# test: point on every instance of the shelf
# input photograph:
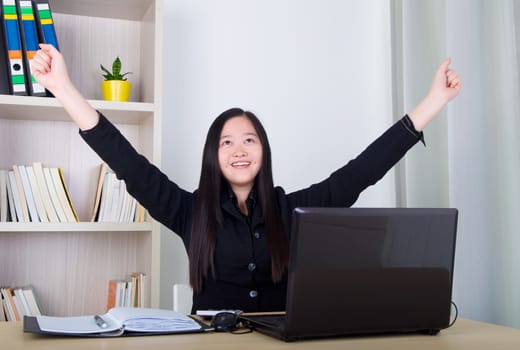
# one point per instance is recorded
(132, 9)
(48, 108)
(75, 226)
(69, 264)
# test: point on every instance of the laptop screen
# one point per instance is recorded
(365, 270)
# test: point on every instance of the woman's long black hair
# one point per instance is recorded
(207, 214)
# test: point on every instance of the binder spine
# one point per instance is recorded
(29, 38)
(5, 77)
(46, 31)
(14, 47)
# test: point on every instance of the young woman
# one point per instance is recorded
(235, 226)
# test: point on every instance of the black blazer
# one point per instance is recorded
(242, 260)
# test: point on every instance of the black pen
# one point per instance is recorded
(100, 321)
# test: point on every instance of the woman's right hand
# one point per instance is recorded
(49, 69)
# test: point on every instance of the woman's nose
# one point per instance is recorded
(239, 152)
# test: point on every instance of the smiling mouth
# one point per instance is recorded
(240, 164)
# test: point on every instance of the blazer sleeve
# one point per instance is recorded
(342, 187)
(164, 200)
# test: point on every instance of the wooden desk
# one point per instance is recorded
(465, 334)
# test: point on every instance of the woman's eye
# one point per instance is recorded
(250, 140)
(226, 143)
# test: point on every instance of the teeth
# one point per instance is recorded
(240, 163)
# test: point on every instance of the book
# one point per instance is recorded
(28, 193)
(37, 194)
(12, 313)
(18, 197)
(34, 308)
(10, 198)
(67, 195)
(132, 292)
(3, 196)
(112, 299)
(54, 195)
(112, 202)
(44, 192)
(103, 168)
(63, 194)
(118, 321)
(20, 302)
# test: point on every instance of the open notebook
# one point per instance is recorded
(365, 271)
(116, 322)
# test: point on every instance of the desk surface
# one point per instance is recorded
(465, 334)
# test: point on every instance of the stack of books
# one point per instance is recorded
(113, 203)
(15, 303)
(35, 194)
(131, 292)
(25, 24)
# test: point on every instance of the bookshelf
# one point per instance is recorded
(69, 264)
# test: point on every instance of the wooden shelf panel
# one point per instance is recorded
(75, 226)
(49, 109)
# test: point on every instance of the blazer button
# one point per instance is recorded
(256, 235)
(251, 267)
(253, 294)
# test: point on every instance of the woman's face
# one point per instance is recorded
(239, 153)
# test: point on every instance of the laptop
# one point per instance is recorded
(356, 271)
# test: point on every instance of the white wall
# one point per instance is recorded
(317, 73)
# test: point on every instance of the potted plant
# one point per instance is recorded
(115, 87)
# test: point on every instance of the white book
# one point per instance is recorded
(123, 200)
(103, 201)
(3, 196)
(19, 308)
(144, 290)
(133, 210)
(31, 302)
(16, 196)
(22, 303)
(17, 180)
(107, 197)
(128, 294)
(120, 295)
(44, 191)
(101, 180)
(114, 207)
(12, 210)
(29, 198)
(61, 190)
(54, 195)
(128, 210)
(38, 199)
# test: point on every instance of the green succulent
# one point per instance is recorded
(116, 71)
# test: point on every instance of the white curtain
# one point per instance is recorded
(472, 158)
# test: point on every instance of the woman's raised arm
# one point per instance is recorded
(445, 86)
